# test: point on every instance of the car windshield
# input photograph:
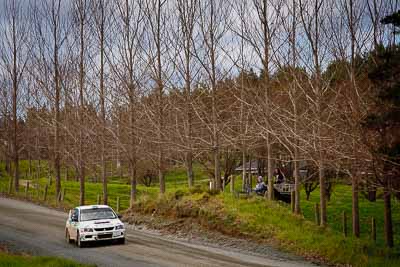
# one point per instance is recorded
(97, 214)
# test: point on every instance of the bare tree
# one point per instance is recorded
(241, 9)
(81, 9)
(352, 32)
(376, 11)
(293, 93)
(187, 15)
(290, 78)
(156, 14)
(313, 20)
(15, 47)
(213, 23)
(100, 15)
(129, 20)
(259, 32)
(295, 97)
(51, 30)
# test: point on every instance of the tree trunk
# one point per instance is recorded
(133, 159)
(133, 186)
(57, 164)
(270, 172)
(189, 168)
(160, 87)
(102, 104)
(104, 175)
(39, 169)
(14, 111)
(297, 208)
(82, 20)
(322, 187)
(81, 186)
(388, 227)
(30, 163)
(186, 14)
(244, 170)
(250, 174)
(161, 177)
(355, 208)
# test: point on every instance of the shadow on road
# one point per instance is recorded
(103, 243)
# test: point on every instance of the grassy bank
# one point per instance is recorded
(265, 221)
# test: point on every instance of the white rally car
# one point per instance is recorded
(93, 223)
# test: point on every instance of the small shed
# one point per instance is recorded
(255, 166)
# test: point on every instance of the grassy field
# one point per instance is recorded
(255, 216)
(10, 260)
(262, 221)
(341, 201)
(118, 187)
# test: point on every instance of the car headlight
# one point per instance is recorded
(86, 229)
(119, 227)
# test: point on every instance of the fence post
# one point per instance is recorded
(117, 204)
(373, 229)
(344, 220)
(316, 209)
(232, 184)
(63, 194)
(59, 196)
(10, 185)
(98, 199)
(37, 191)
(292, 200)
(45, 192)
(27, 189)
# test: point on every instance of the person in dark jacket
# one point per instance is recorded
(280, 178)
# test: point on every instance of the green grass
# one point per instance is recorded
(9, 260)
(341, 201)
(294, 233)
(263, 220)
(297, 233)
(260, 218)
(176, 180)
(117, 187)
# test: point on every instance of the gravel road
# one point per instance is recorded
(26, 227)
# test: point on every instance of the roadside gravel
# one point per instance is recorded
(190, 232)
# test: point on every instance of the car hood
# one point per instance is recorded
(100, 223)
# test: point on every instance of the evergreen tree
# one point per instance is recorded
(382, 124)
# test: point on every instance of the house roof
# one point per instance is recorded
(253, 164)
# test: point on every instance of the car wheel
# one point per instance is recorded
(67, 237)
(79, 243)
(121, 241)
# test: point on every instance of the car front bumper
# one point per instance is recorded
(106, 235)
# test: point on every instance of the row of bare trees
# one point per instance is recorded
(85, 83)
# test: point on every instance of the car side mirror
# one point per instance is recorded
(74, 218)
(119, 216)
